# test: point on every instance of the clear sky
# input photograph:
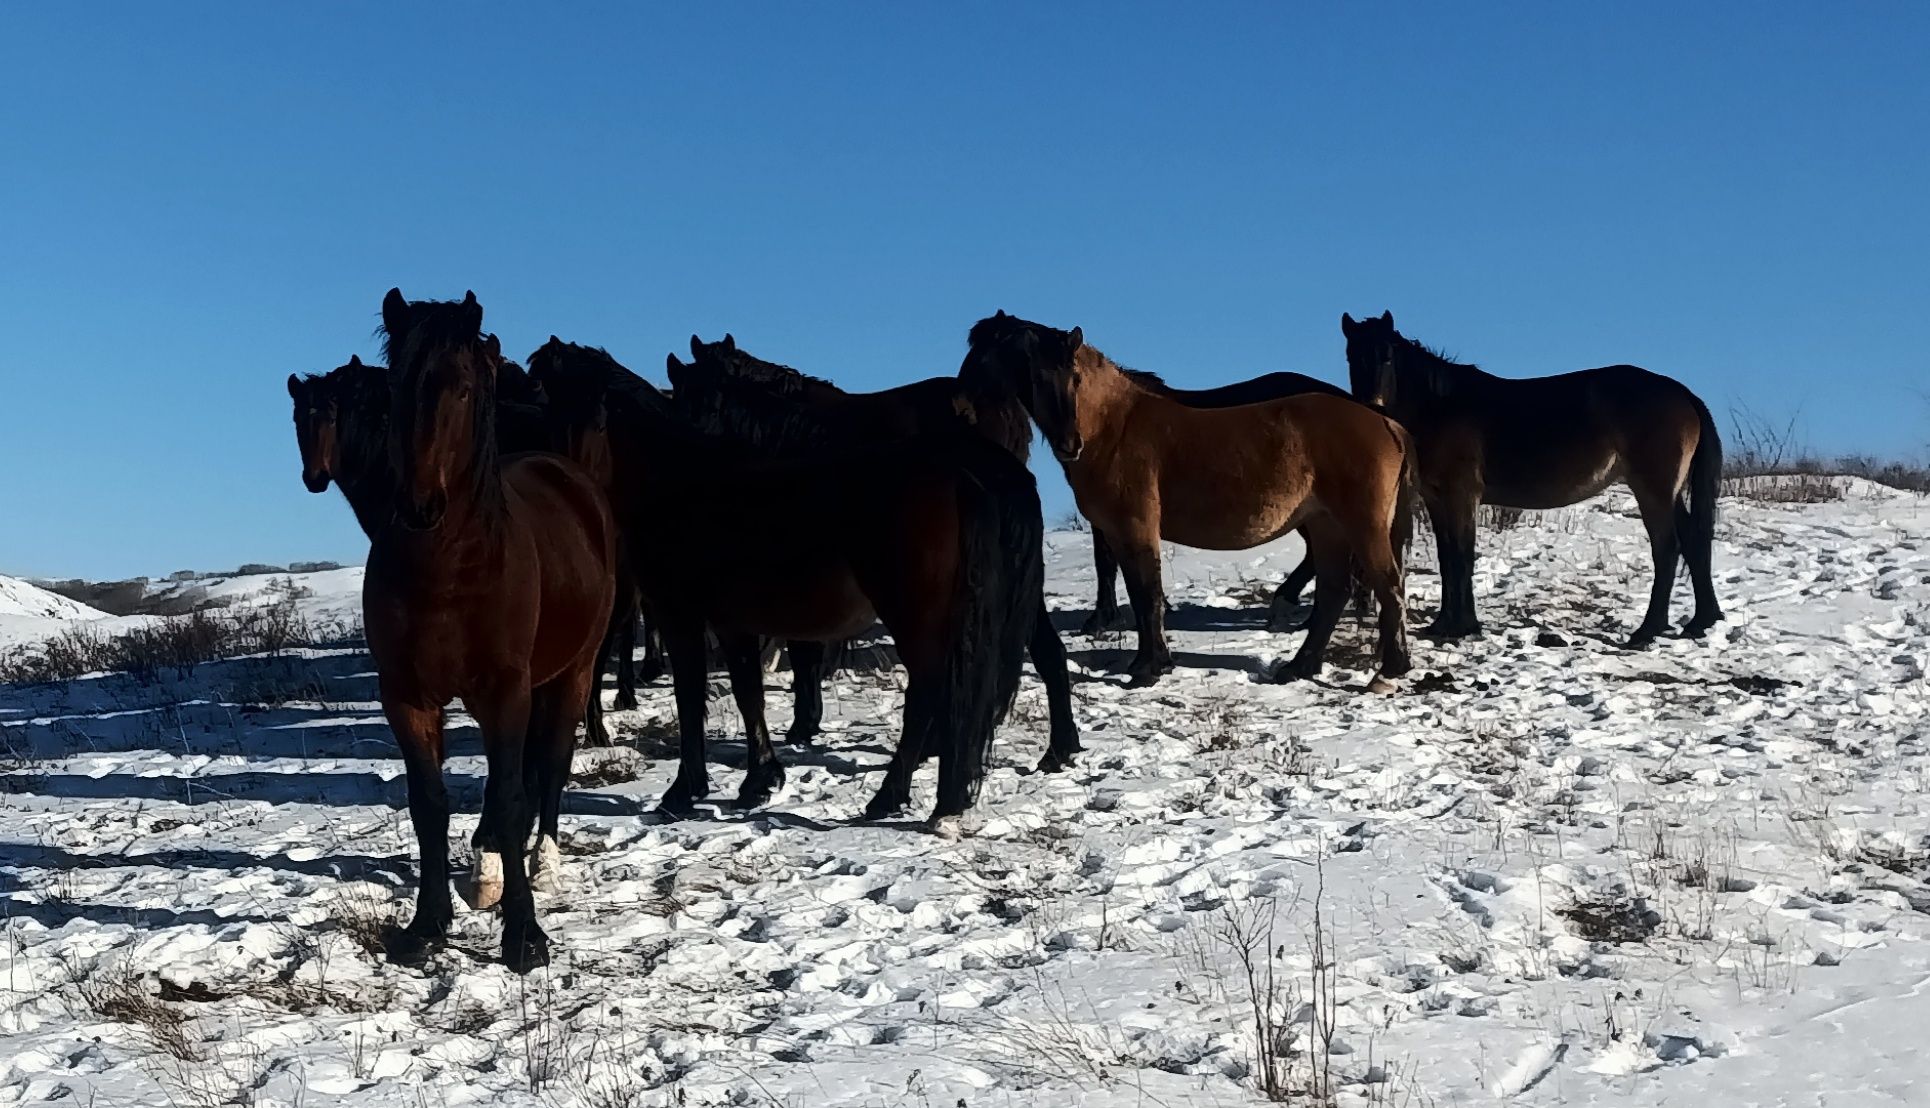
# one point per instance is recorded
(195, 202)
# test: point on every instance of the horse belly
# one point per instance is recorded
(1551, 481)
(1229, 513)
(826, 605)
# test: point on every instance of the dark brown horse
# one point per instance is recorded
(1259, 390)
(493, 585)
(1546, 442)
(1145, 467)
(342, 429)
(938, 538)
(726, 390)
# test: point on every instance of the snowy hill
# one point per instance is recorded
(29, 612)
(1546, 871)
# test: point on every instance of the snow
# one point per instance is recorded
(29, 612)
(1545, 871)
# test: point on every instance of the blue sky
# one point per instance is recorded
(195, 203)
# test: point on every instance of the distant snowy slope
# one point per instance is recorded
(29, 612)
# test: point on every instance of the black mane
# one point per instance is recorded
(437, 328)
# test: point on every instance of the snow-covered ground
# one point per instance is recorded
(1547, 871)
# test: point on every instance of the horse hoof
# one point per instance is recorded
(1055, 762)
(1698, 627)
(546, 868)
(800, 736)
(525, 948)
(682, 800)
(486, 889)
(626, 701)
(649, 672)
(1096, 625)
(1287, 625)
(884, 807)
(410, 947)
(760, 786)
(950, 828)
(1642, 639)
(1286, 673)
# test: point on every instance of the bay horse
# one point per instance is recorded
(493, 584)
(1547, 442)
(1144, 467)
(342, 431)
(726, 390)
(938, 538)
(1259, 390)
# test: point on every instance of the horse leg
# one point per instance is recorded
(1658, 516)
(894, 795)
(1139, 562)
(549, 750)
(807, 691)
(1698, 551)
(626, 644)
(689, 668)
(1376, 567)
(763, 773)
(1105, 567)
(1455, 523)
(653, 663)
(1327, 545)
(1049, 659)
(1287, 597)
(418, 731)
(505, 720)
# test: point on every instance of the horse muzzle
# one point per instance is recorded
(1069, 451)
(315, 482)
(424, 514)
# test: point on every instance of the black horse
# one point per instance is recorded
(784, 411)
(1546, 442)
(938, 538)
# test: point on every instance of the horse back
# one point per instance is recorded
(1543, 442)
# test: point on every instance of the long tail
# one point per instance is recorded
(1696, 524)
(1410, 495)
(1001, 567)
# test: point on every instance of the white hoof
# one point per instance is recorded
(546, 866)
(489, 881)
(1382, 686)
(951, 828)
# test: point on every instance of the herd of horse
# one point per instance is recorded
(520, 520)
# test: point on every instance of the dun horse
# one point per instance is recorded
(1259, 390)
(494, 585)
(1545, 442)
(727, 390)
(1145, 467)
(939, 538)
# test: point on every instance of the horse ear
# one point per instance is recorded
(1077, 338)
(1000, 315)
(395, 313)
(672, 366)
(294, 387)
(730, 342)
(473, 309)
(1346, 323)
(696, 347)
(554, 341)
(1387, 318)
(355, 360)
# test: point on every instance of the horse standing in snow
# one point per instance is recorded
(493, 584)
(939, 538)
(1145, 467)
(1547, 442)
(727, 390)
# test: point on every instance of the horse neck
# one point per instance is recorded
(1102, 410)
